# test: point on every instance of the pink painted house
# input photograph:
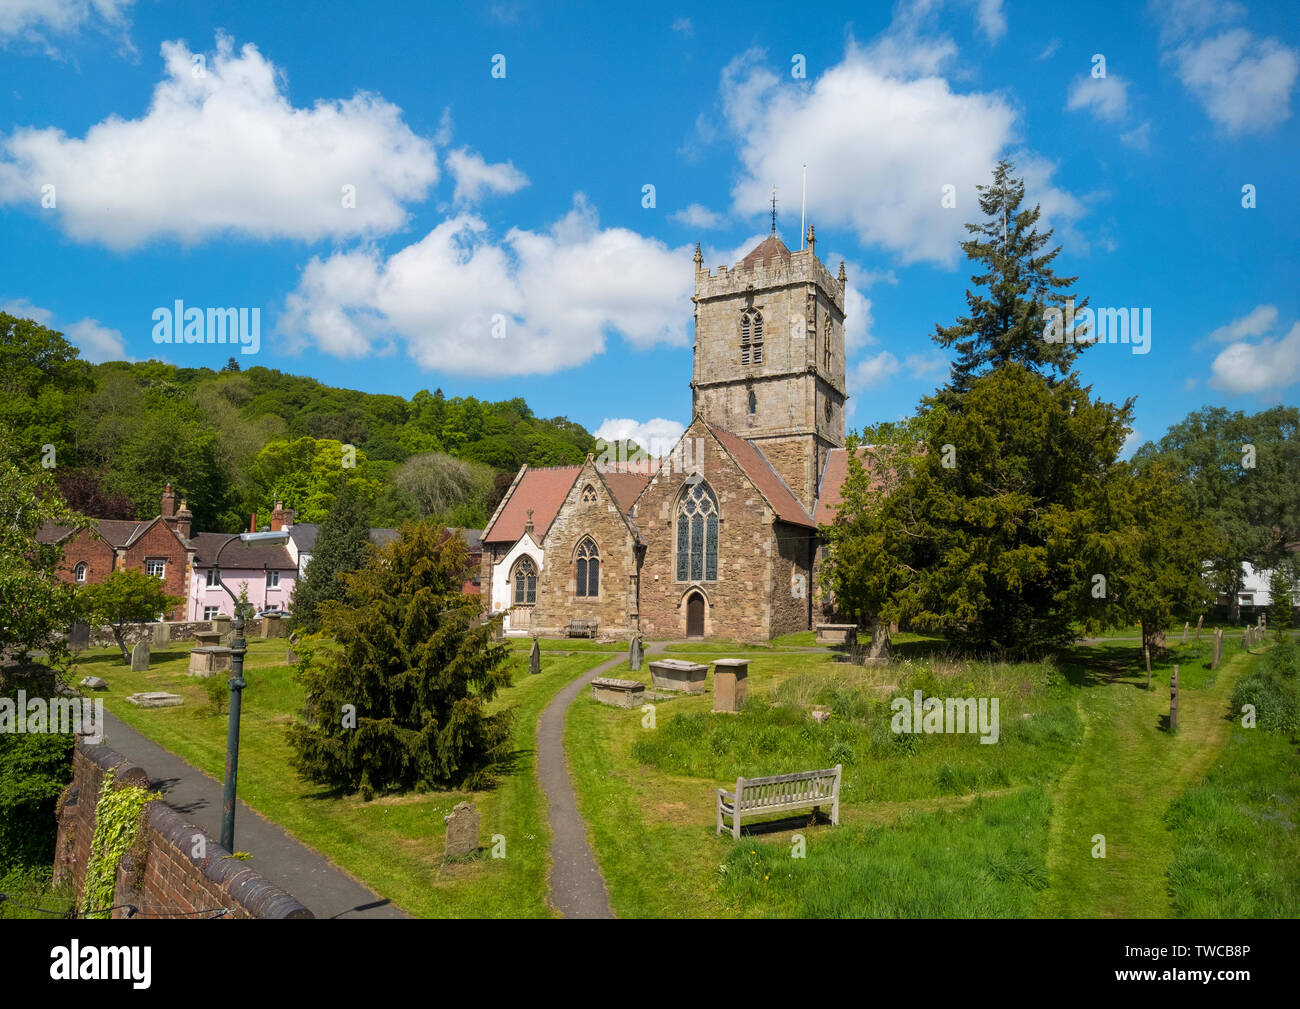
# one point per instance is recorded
(267, 569)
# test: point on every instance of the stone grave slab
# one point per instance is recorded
(618, 693)
(678, 674)
(155, 699)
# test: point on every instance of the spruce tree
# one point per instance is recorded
(402, 702)
(1007, 320)
(341, 546)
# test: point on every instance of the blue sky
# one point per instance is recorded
(204, 154)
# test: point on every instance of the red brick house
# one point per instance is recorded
(158, 546)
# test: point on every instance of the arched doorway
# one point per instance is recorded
(695, 615)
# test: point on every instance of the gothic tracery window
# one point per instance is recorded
(588, 566)
(589, 494)
(697, 535)
(525, 582)
(751, 337)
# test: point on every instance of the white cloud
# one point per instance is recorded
(1256, 323)
(35, 18)
(873, 371)
(1105, 98)
(991, 19)
(1050, 49)
(1243, 81)
(225, 152)
(475, 178)
(1264, 367)
(697, 216)
(1138, 138)
(684, 28)
(927, 364)
(97, 343)
(1181, 18)
(560, 293)
(657, 436)
(1131, 444)
(881, 136)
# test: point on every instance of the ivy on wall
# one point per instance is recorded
(117, 824)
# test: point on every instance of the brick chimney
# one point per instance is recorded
(184, 519)
(252, 523)
(168, 503)
(280, 519)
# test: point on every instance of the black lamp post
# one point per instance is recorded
(238, 648)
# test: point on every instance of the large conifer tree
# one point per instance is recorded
(341, 546)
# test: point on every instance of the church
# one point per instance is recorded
(719, 538)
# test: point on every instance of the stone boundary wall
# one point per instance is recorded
(177, 630)
(160, 876)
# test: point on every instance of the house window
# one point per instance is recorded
(525, 582)
(697, 535)
(211, 612)
(751, 337)
(79, 572)
(827, 342)
(588, 568)
(589, 494)
(155, 568)
(273, 579)
(211, 581)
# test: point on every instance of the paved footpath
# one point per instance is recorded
(317, 883)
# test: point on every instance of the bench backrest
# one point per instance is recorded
(783, 789)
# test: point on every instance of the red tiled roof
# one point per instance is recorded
(115, 532)
(543, 490)
(769, 248)
(626, 487)
(764, 477)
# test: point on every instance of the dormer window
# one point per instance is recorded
(751, 337)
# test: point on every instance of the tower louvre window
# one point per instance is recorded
(751, 337)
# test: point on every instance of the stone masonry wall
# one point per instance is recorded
(791, 578)
(738, 602)
(557, 599)
(162, 878)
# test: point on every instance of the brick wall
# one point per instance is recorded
(158, 541)
(161, 876)
(86, 546)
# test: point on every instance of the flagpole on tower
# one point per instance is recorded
(803, 208)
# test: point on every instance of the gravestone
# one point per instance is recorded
(1218, 648)
(155, 699)
(140, 657)
(1198, 626)
(1184, 632)
(837, 634)
(879, 643)
(678, 674)
(206, 660)
(79, 637)
(634, 653)
(730, 684)
(462, 831)
(272, 627)
(207, 639)
(94, 683)
(161, 634)
(221, 625)
(1173, 701)
(290, 656)
(618, 693)
(535, 658)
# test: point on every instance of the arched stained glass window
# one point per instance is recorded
(697, 535)
(525, 582)
(588, 568)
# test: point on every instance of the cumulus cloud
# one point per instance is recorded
(1105, 98)
(878, 369)
(657, 436)
(1243, 81)
(1268, 366)
(97, 343)
(684, 28)
(221, 150)
(1256, 323)
(881, 135)
(36, 19)
(697, 216)
(475, 178)
(535, 302)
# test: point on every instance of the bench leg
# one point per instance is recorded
(735, 821)
(719, 818)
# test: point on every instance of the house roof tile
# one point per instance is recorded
(769, 483)
(543, 490)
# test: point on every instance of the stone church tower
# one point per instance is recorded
(769, 357)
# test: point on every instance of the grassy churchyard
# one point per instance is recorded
(931, 825)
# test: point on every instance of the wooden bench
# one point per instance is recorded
(760, 796)
(583, 628)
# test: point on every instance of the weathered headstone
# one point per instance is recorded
(161, 634)
(879, 642)
(462, 831)
(535, 658)
(94, 683)
(1198, 626)
(1218, 648)
(290, 656)
(634, 653)
(79, 637)
(140, 657)
(1184, 632)
(730, 684)
(1173, 701)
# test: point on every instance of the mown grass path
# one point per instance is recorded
(1128, 770)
